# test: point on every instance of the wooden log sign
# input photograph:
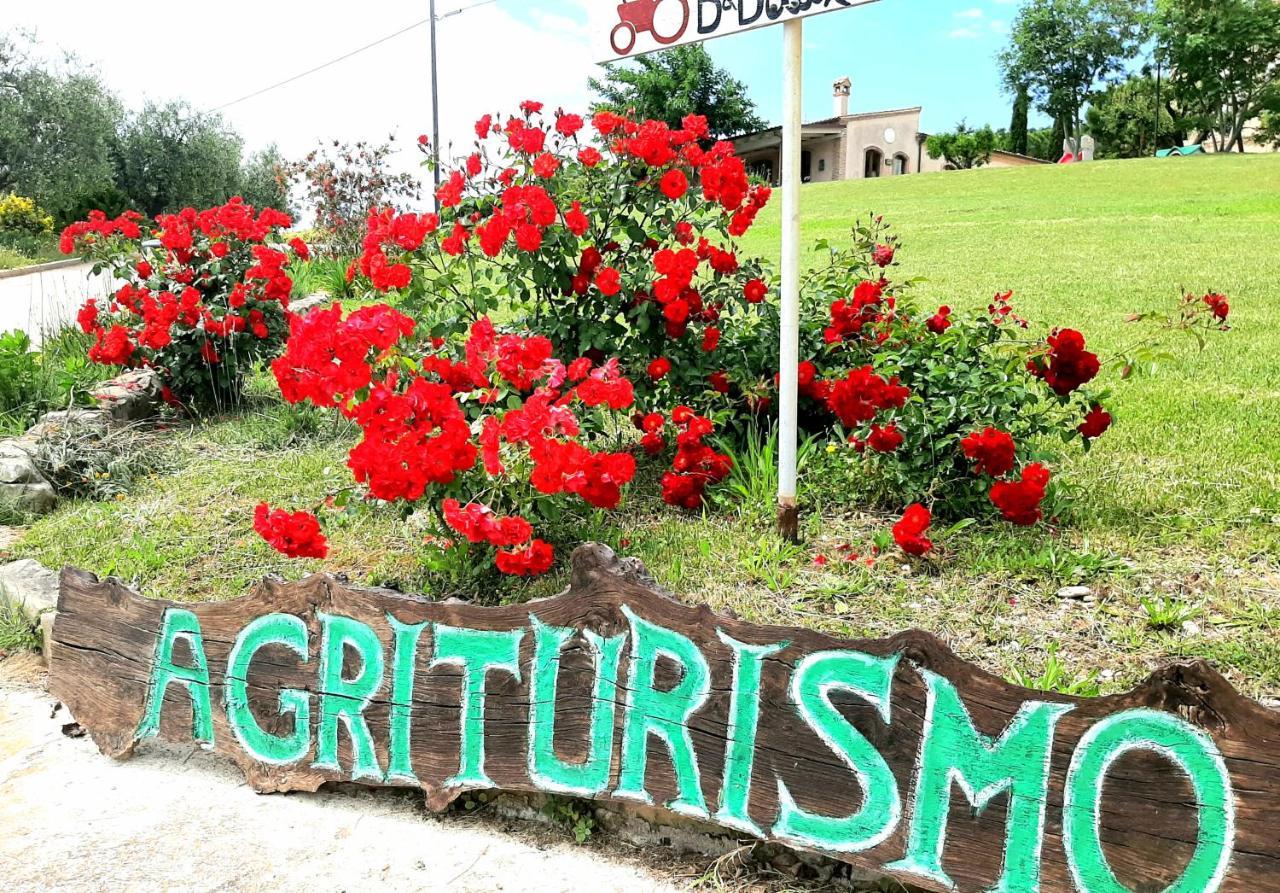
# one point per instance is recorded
(893, 755)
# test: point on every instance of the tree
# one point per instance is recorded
(1018, 124)
(342, 182)
(680, 81)
(173, 156)
(57, 132)
(1121, 119)
(264, 182)
(1225, 60)
(965, 148)
(1061, 50)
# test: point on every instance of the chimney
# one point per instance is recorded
(842, 88)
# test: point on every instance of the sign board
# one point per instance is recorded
(893, 755)
(635, 27)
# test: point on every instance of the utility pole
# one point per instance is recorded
(435, 108)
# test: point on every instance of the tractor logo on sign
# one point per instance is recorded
(666, 20)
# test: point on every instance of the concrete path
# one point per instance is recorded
(182, 819)
(46, 299)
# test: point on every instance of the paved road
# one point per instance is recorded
(173, 819)
(44, 301)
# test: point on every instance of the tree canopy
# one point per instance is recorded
(964, 148)
(1061, 51)
(1122, 117)
(68, 142)
(673, 83)
(1225, 61)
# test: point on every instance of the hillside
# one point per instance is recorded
(1198, 444)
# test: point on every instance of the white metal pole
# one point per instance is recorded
(789, 351)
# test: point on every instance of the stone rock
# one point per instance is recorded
(30, 585)
(52, 424)
(1075, 592)
(22, 486)
(131, 395)
(16, 466)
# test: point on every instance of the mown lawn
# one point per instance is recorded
(1175, 524)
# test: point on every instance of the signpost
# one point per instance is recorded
(643, 26)
(893, 755)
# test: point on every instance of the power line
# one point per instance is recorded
(324, 65)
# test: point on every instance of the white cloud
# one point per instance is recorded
(964, 34)
(972, 13)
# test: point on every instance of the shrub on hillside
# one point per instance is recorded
(958, 411)
(205, 295)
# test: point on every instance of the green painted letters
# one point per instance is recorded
(179, 624)
(662, 714)
(547, 770)
(744, 717)
(1179, 742)
(477, 652)
(271, 629)
(399, 761)
(344, 700)
(812, 683)
(954, 751)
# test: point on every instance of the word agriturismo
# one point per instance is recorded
(892, 754)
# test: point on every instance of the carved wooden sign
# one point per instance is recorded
(893, 755)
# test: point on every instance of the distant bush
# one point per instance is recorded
(201, 306)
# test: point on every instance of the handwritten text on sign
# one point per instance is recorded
(632, 27)
(893, 755)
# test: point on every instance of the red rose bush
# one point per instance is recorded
(203, 294)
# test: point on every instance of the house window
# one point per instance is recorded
(822, 165)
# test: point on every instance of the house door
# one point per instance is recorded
(899, 164)
(875, 160)
(806, 165)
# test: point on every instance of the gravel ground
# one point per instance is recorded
(182, 819)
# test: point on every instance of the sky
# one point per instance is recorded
(939, 54)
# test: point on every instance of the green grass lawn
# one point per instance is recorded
(1197, 446)
(1176, 518)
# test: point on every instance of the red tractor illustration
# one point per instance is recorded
(638, 16)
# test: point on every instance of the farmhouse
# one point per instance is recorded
(848, 146)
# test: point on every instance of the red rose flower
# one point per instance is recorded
(300, 248)
(909, 532)
(940, 321)
(719, 382)
(296, 534)
(659, 368)
(546, 165)
(674, 184)
(885, 439)
(1218, 305)
(882, 255)
(589, 156)
(1095, 423)
(1019, 501)
(609, 281)
(710, 339)
(1066, 365)
(144, 270)
(992, 449)
(531, 561)
(755, 290)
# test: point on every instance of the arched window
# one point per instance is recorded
(874, 161)
(900, 165)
